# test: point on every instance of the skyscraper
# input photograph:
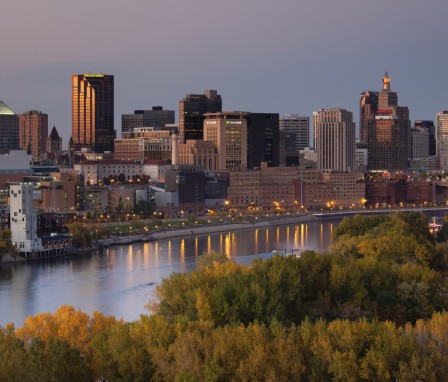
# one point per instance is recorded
(389, 134)
(228, 132)
(442, 139)
(335, 138)
(9, 129)
(191, 113)
(294, 136)
(33, 132)
(93, 112)
(367, 111)
(263, 139)
(157, 118)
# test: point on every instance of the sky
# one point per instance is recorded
(283, 56)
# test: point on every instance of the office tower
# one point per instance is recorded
(419, 143)
(54, 142)
(336, 140)
(388, 135)
(93, 112)
(228, 132)
(442, 139)
(429, 126)
(191, 113)
(9, 129)
(157, 118)
(263, 139)
(294, 135)
(33, 132)
(367, 111)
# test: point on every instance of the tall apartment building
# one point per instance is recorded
(9, 129)
(442, 139)
(294, 135)
(335, 138)
(388, 135)
(228, 132)
(33, 132)
(156, 118)
(93, 112)
(191, 113)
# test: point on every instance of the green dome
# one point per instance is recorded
(5, 109)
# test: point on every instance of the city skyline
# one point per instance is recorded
(261, 57)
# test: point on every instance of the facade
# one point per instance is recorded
(23, 220)
(198, 153)
(388, 135)
(9, 129)
(150, 145)
(156, 118)
(93, 112)
(442, 139)
(294, 135)
(187, 186)
(33, 132)
(335, 138)
(227, 131)
(191, 113)
(263, 139)
(293, 188)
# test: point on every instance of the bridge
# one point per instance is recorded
(429, 211)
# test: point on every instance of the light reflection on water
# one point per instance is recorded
(120, 281)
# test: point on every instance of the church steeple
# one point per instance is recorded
(386, 82)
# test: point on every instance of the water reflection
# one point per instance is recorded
(121, 280)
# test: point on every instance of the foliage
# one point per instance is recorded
(6, 246)
(372, 310)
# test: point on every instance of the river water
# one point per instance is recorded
(121, 280)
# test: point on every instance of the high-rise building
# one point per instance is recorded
(93, 112)
(336, 140)
(191, 113)
(442, 139)
(263, 139)
(367, 112)
(9, 129)
(228, 132)
(156, 118)
(419, 143)
(388, 135)
(294, 135)
(429, 126)
(33, 132)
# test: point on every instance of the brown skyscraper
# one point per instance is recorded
(33, 132)
(388, 135)
(93, 112)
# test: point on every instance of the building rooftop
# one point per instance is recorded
(5, 109)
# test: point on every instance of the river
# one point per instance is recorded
(122, 279)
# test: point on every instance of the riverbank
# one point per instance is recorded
(170, 233)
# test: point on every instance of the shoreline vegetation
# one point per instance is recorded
(371, 309)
